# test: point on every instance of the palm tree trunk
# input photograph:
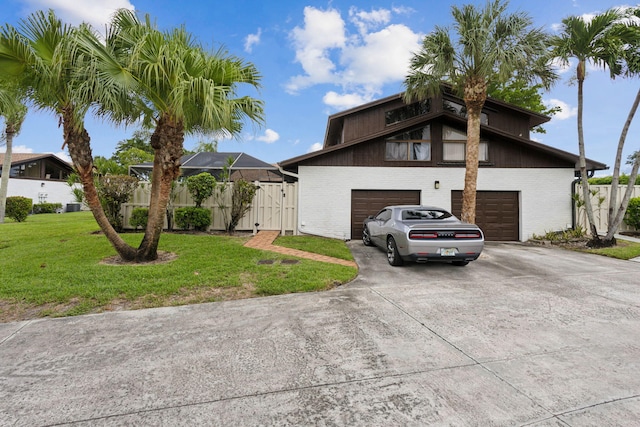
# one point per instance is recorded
(475, 94)
(624, 203)
(80, 152)
(6, 171)
(583, 161)
(614, 218)
(167, 142)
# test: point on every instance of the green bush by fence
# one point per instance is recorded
(192, 217)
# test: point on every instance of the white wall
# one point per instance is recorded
(325, 194)
(56, 191)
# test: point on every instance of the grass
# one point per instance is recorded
(50, 265)
(318, 245)
(622, 250)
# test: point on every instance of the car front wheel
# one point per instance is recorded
(366, 238)
(392, 253)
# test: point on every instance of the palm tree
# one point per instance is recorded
(179, 88)
(491, 45)
(13, 110)
(45, 56)
(596, 41)
(628, 37)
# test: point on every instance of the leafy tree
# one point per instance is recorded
(201, 187)
(13, 110)
(103, 166)
(206, 147)
(602, 41)
(491, 45)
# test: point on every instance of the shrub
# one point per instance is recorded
(201, 187)
(139, 218)
(241, 198)
(42, 208)
(114, 191)
(632, 216)
(18, 208)
(192, 217)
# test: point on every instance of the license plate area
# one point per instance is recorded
(447, 251)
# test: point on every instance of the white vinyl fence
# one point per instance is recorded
(274, 207)
(600, 202)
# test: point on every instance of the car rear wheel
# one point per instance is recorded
(392, 253)
(366, 238)
(460, 263)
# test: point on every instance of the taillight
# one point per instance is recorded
(423, 235)
(468, 235)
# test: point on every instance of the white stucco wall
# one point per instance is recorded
(53, 191)
(325, 194)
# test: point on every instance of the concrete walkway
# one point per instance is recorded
(264, 241)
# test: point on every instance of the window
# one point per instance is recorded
(454, 145)
(407, 112)
(461, 110)
(412, 145)
(384, 215)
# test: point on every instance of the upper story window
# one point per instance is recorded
(454, 145)
(407, 111)
(412, 145)
(461, 110)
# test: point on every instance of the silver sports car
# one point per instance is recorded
(421, 234)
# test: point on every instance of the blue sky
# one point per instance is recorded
(318, 58)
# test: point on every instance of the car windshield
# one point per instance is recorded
(422, 214)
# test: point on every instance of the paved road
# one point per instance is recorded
(524, 336)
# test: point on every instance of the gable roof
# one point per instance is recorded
(335, 121)
(19, 158)
(193, 164)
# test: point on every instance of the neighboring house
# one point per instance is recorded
(387, 152)
(242, 166)
(40, 177)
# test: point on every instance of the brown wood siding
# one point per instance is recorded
(497, 213)
(370, 202)
(513, 123)
(502, 154)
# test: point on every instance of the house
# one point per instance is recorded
(40, 177)
(387, 152)
(241, 165)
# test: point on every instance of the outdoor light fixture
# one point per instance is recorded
(436, 185)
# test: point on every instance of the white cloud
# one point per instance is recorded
(64, 156)
(270, 136)
(566, 111)
(315, 147)
(16, 149)
(251, 40)
(360, 63)
(367, 20)
(96, 13)
(344, 101)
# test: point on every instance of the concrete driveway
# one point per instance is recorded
(526, 335)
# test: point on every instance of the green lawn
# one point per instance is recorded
(623, 249)
(50, 265)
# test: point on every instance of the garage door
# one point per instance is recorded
(497, 213)
(369, 202)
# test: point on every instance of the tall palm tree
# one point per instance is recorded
(13, 110)
(43, 53)
(595, 41)
(179, 88)
(490, 45)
